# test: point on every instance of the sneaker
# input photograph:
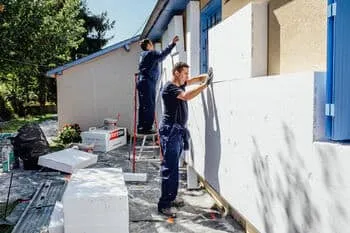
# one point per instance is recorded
(178, 202)
(167, 212)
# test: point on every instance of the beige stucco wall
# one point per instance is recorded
(203, 3)
(297, 33)
(231, 6)
(98, 89)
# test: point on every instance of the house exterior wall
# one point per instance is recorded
(297, 33)
(297, 36)
(101, 88)
(253, 141)
(231, 6)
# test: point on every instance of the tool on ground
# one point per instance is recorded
(37, 214)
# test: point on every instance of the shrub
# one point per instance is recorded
(70, 134)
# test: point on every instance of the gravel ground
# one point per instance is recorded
(196, 216)
(50, 129)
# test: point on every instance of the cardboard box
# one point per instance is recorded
(105, 140)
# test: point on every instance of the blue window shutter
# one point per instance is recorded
(341, 71)
(210, 16)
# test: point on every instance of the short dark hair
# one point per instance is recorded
(144, 43)
(179, 66)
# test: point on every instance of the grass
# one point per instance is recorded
(13, 125)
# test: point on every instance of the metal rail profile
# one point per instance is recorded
(36, 217)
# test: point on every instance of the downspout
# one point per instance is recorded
(330, 71)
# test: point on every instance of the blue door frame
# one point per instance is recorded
(329, 82)
(338, 71)
(210, 16)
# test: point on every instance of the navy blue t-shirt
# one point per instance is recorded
(175, 110)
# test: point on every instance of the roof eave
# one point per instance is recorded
(158, 9)
(161, 16)
(54, 73)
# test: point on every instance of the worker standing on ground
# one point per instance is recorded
(173, 133)
(147, 81)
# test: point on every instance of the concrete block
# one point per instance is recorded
(69, 160)
(56, 220)
(96, 200)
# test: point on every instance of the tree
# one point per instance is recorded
(39, 35)
(96, 27)
(36, 36)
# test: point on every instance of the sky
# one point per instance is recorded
(129, 15)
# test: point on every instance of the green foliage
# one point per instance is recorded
(70, 134)
(95, 35)
(40, 32)
(15, 124)
(33, 35)
(38, 35)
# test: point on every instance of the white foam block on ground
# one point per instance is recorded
(136, 177)
(69, 160)
(96, 200)
(56, 220)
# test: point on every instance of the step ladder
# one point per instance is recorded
(145, 148)
(139, 151)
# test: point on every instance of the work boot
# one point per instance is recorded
(167, 212)
(178, 202)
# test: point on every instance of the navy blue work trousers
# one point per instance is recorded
(147, 98)
(172, 142)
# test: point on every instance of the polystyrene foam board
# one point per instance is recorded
(175, 28)
(96, 200)
(68, 160)
(193, 36)
(131, 177)
(94, 229)
(237, 47)
(56, 220)
(257, 128)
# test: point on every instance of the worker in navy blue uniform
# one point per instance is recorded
(147, 81)
(173, 133)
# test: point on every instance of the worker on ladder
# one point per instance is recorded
(147, 81)
(173, 133)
